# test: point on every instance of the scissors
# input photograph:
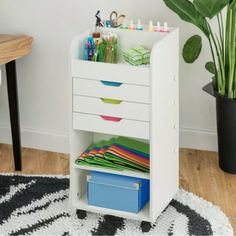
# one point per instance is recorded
(115, 20)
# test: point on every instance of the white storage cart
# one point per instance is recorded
(149, 111)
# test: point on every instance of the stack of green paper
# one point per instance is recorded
(137, 56)
(119, 154)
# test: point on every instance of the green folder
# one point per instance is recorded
(133, 144)
(84, 163)
(121, 161)
(109, 160)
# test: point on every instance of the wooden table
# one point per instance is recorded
(13, 47)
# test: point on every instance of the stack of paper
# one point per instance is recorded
(120, 154)
(137, 56)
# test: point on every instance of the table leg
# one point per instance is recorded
(14, 112)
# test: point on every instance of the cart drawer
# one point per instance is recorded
(111, 125)
(123, 73)
(112, 90)
(110, 107)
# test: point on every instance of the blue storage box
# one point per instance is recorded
(117, 192)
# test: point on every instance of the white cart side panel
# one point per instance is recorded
(164, 131)
(77, 47)
(79, 141)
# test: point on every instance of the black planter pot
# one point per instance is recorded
(226, 127)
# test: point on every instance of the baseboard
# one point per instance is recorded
(59, 142)
(199, 139)
(38, 139)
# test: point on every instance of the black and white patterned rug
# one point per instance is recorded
(37, 205)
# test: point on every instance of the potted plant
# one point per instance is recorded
(222, 67)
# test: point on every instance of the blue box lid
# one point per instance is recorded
(116, 180)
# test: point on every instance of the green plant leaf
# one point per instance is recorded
(210, 67)
(192, 49)
(187, 12)
(210, 8)
(233, 5)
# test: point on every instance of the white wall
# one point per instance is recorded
(43, 76)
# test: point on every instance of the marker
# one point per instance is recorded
(139, 25)
(150, 27)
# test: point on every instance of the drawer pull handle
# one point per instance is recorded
(110, 118)
(110, 83)
(111, 101)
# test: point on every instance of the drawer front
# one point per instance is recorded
(111, 125)
(108, 107)
(112, 90)
(123, 73)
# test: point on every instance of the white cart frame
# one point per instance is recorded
(156, 86)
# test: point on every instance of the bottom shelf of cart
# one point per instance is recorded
(143, 215)
(136, 174)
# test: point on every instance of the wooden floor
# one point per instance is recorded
(199, 173)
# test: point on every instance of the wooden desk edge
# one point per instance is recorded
(13, 47)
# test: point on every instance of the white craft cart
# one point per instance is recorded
(149, 108)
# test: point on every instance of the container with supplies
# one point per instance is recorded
(117, 192)
(110, 48)
(101, 48)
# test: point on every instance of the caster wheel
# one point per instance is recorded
(81, 214)
(145, 226)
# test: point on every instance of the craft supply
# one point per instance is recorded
(158, 27)
(97, 41)
(131, 25)
(89, 48)
(101, 49)
(116, 20)
(117, 153)
(165, 27)
(96, 36)
(98, 19)
(132, 57)
(137, 56)
(107, 23)
(110, 48)
(151, 27)
(139, 25)
(130, 152)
